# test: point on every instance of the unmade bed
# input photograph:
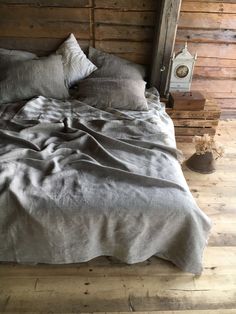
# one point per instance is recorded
(79, 180)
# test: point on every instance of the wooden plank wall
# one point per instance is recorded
(210, 29)
(125, 28)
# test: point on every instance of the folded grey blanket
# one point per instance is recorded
(77, 182)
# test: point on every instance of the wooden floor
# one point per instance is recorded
(156, 286)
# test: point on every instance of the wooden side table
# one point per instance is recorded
(189, 123)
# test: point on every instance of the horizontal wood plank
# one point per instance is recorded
(51, 3)
(227, 103)
(174, 114)
(132, 5)
(222, 94)
(209, 7)
(136, 57)
(125, 18)
(54, 14)
(212, 1)
(216, 73)
(207, 85)
(228, 115)
(206, 20)
(194, 131)
(208, 36)
(122, 32)
(210, 50)
(44, 29)
(40, 46)
(67, 293)
(195, 123)
(216, 62)
(121, 47)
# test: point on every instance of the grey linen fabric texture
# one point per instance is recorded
(10, 57)
(112, 66)
(117, 83)
(113, 93)
(26, 79)
(77, 182)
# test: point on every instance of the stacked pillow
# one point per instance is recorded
(26, 79)
(7, 57)
(112, 82)
(23, 75)
(114, 67)
(117, 83)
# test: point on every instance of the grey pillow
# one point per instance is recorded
(17, 55)
(114, 67)
(113, 93)
(27, 79)
(8, 57)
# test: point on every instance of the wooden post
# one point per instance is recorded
(167, 17)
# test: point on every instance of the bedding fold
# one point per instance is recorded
(77, 182)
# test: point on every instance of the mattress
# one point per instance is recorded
(77, 182)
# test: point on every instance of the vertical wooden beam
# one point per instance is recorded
(167, 21)
(91, 22)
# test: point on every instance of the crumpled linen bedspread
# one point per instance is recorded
(77, 182)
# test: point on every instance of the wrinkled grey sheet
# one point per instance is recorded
(77, 182)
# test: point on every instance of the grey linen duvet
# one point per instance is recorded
(77, 182)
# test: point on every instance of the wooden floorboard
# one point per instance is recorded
(106, 285)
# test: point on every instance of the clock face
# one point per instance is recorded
(181, 71)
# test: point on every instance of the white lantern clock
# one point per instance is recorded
(182, 70)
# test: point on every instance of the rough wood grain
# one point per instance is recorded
(213, 114)
(222, 94)
(44, 29)
(227, 103)
(51, 3)
(209, 27)
(210, 50)
(122, 32)
(216, 62)
(54, 14)
(142, 5)
(211, 1)
(124, 47)
(191, 131)
(40, 26)
(163, 45)
(125, 18)
(209, 7)
(208, 36)
(206, 20)
(207, 85)
(195, 123)
(40, 46)
(217, 73)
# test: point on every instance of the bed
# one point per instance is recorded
(85, 176)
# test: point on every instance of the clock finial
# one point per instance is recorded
(185, 47)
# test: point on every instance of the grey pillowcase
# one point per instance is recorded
(113, 93)
(27, 79)
(114, 67)
(10, 57)
(16, 55)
